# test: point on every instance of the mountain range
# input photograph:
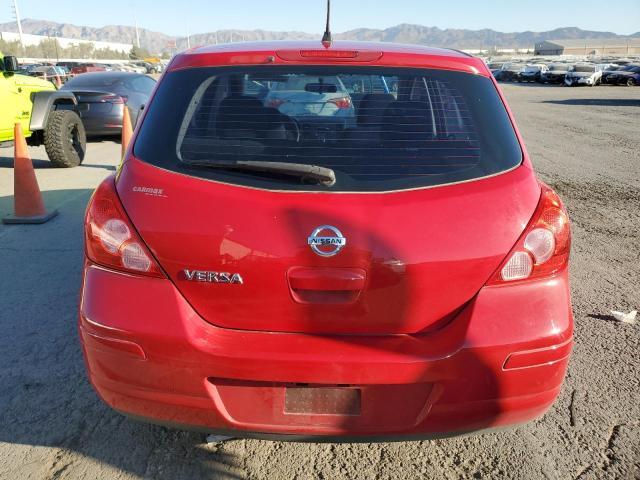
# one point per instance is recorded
(406, 33)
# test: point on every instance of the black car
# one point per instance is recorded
(555, 73)
(103, 95)
(627, 75)
(510, 72)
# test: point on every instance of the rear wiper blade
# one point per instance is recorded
(321, 175)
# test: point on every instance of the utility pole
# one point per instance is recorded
(57, 33)
(16, 13)
(135, 21)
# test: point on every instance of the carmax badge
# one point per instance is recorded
(329, 244)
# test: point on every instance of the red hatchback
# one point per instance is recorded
(340, 242)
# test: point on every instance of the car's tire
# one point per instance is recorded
(65, 139)
(631, 82)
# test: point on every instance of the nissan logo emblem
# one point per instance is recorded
(326, 241)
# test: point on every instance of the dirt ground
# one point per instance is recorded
(585, 142)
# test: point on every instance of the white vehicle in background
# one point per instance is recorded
(583, 74)
(135, 68)
(305, 96)
(48, 72)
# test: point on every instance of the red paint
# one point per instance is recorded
(326, 285)
(405, 248)
(113, 345)
(540, 356)
(402, 320)
(288, 53)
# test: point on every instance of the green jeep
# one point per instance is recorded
(48, 116)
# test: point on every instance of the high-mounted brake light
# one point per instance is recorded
(543, 249)
(329, 53)
(111, 240)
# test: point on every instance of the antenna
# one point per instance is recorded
(326, 38)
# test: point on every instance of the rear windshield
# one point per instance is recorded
(376, 128)
(89, 80)
(584, 68)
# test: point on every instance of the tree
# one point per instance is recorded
(10, 48)
(50, 48)
(138, 53)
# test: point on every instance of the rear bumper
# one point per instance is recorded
(500, 362)
(580, 81)
(102, 124)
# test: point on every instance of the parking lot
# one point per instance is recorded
(584, 142)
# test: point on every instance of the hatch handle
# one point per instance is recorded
(326, 285)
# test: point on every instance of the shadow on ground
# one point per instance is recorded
(598, 102)
(45, 397)
(7, 162)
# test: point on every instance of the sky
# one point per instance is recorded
(195, 16)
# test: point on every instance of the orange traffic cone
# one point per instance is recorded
(28, 204)
(127, 130)
(58, 81)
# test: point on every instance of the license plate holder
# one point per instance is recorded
(343, 401)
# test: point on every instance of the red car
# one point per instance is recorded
(85, 68)
(297, 272)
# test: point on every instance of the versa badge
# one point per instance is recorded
(213, 277)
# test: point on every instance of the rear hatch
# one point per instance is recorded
(97, 102)
(418, 219)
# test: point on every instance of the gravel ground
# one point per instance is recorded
(585, 142)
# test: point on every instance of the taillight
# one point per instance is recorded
(110, 238)
(543, 249)
(116, 99)
(276, 102)
(342, 102)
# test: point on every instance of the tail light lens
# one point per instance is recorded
(116, 99)
(110, 238)
(276, 102)
(342, 102)
(543, 249)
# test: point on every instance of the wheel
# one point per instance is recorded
(630, 82)
(65, 139)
